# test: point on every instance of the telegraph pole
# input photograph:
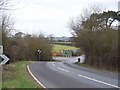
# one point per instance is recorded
(119, 14)
(1, 52)
(1, 46)
(3, 58)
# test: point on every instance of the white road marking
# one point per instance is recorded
(60, 68)
(98, 81)
(102, 82)
(53, 64)
(35, 77)
(63, 69)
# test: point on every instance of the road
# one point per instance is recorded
(67, 75)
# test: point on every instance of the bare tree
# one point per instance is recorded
(6, 25)
(3, 4)
(50, 38)
(8, 4)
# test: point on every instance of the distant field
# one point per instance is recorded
(63, 42)
(62, 47)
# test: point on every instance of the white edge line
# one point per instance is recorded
(98, 81)
(35, 77)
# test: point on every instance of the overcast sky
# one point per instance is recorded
(52, 16)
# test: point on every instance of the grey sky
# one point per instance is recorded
(52, 16)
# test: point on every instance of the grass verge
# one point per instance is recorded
(81, 64)
(88, 66)
(15, 75)
(95, 67)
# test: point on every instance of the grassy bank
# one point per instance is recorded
(63, 47)
(15, 75)
(78, 63)
(96, 68)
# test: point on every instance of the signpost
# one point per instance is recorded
(1, 69)
(3, 58)
(0, 37)
(1, 52)
(39, 51)
(119, 14)
(14, 51)
(1, 49)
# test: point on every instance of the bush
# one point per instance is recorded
(26, 48)
(101, 48)
(99, 42)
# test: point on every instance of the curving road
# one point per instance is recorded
(67, 75)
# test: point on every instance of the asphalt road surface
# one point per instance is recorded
(67, 75)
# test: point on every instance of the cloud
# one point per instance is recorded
(51, 16)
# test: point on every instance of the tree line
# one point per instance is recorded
(97, 37)
(26, 47)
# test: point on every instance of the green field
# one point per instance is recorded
(15, 75)
(57, 48)
(63, 42)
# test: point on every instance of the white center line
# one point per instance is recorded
(63, 69)
(98, 81)
(53, 64)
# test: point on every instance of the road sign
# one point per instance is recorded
(1, 49)
(5, 59)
